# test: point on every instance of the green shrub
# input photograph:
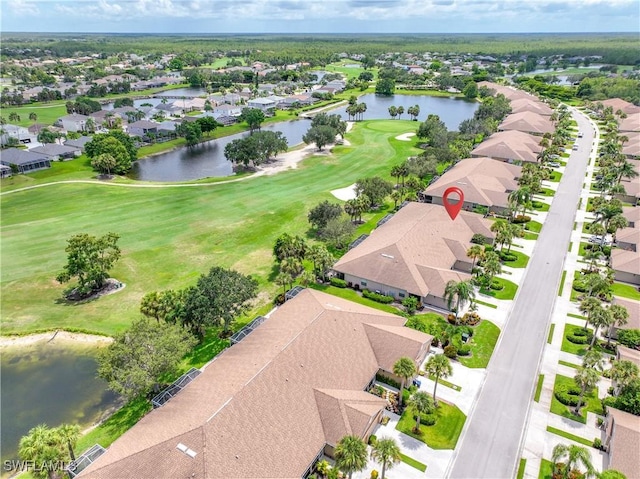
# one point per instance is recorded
(387, 380)
(597, 443)
(521, 219)
(380, 298)
(581, 332)
(567, 395)
(338, 283)
(578, 339)
(450, 351)
(477, 239)
(372, 439)
(507, 256)
(426, 419)
(496, 285)
(464, 350)
(580, 285)
(629, 337)
(374, 474)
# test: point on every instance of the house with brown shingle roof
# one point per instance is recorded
(620, 104)
(270, 405)
(484, 181)
(624, 353)
(632, 214)
(509, 146)
(416, 253)
(508, 91)
(631, 123)
(633, 308)
(626, 265)
(532, 105)
(623, 441)
(631, 148)
(527, 122)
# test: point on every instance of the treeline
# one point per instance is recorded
(621, 49)
(593, 88)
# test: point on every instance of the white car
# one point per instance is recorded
(553, 164)
(574, 147)
(579, 134)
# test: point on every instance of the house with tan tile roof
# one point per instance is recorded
(509, 146)
(509, 92)
(484, 181)
(624, 353)
(527, 122)
(631, 148)
(626, 265)
(631, 186)
(415, 253)
(633, 307)
(623, 441)
(628, 238)
(272, 404)
(528, 104)
(632, 214)
(620, 104)
(631, 123)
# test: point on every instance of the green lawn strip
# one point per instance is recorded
(555, 176)
(446, 383)
(484, 339)
(352, 295)
(577, 316)
(530, 236)
(507, 292)
(550, 335)
(546, 469)
(562, 280)
(521, 260)
(488, 305)
(547, 192)
(533, 226)
(591, 402)
(568, 364)
(521, 467)
(575, 294)
(571, 437)
(540, 206)
(169, 236)
(570, 246)
(536, 397)
(625, 291)
(413, 463)
(443, 434)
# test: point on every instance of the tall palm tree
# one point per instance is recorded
(619, 315)
(351, 455)
(70, 433)
(623, 373)
(41, 445)
(593, 359)
(460, 292)
(476, 252)
(625, 170)
(404, 368)
(421, 403)
(593, 256)
(521, 197)
(587, 306)
(491, 266)
(387, 452)
(586, 379)
(600, 318)
(513, 231)
(596, 284)
(438, 366)
(616, 223)
(573, 457)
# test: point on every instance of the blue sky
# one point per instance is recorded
(320, 16)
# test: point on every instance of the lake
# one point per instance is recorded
(51, 383)
(207, 159)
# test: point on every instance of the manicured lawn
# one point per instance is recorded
(625, 291)
(536, 396)
(547, 192)
(579, 349)
(488, 305)
(446, 383)
(521, 467)
(530, 236)
(507, 292)
(577, 316)
(572, 437)
(550, 335)
(484, 339)
(521, 260)
(540, 206)
(562, 280)
(352, 295)
(443, 434)
(546, 469)
(533, 226)
(413, 463)
(169, 236)
(591, 402)
(555, 176)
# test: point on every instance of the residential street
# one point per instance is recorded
(492, 440)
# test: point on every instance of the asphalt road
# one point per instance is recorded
(492, 440)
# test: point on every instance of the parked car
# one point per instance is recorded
(574, 147)
(579, 134)
(553, 164)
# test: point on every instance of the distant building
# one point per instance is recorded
(57, 152)
(24, 161)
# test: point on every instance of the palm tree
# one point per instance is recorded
(616, 223)
(587, 306)
(70, 433)
(593, 359)
(462, 292)
(500, 228)
(41, 445)
(400, 111)
(596, 284)
(404, 368)
(491, 266)
(623, 373)
(387, 452)
(351, 455)
(593, 256)
(393, 111)
(619, 315)
(520, 197)
(572, 457)
(421, 403)
(395, 173)
(513, 231)
(626, 170)
(438, 366)
(586, 379)
(600, 318)
(476, 252)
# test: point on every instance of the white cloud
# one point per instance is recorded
(23, 7)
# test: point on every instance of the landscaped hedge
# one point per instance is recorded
(579, 336)
(507, 256)
(629, 337)
(567, 395)
(338, 283)
(380, 298)
(521, 219)
(450, 351)
(387, 380)
(464, 350)
(496, 285)
(426, 419)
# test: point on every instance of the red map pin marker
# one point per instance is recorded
(453, 208)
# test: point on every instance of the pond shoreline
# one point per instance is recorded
(54, 336)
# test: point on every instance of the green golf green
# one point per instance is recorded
(169, 236)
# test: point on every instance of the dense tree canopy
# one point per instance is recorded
(256, 149)
(117, 144)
